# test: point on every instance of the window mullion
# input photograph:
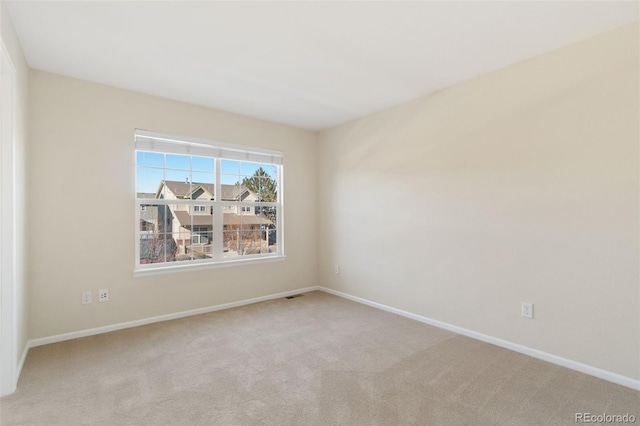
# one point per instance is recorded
(218, 218)
(137, 224)
(280, 216)
(192, 233)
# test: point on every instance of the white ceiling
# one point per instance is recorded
(308, 64)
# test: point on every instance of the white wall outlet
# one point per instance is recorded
(103, 295)
(86, 297)
(527, 310)
(337, 269)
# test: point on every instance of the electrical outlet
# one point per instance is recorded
(527, 310)
(103, 295)
(86, 297)
(337, 269)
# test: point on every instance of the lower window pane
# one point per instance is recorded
(175, 233)
(250, 233)
(268, 223)
(193, 232)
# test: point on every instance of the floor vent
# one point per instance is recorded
(294, 296)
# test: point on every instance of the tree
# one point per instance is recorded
(157, 248)
(266, 188)
(262, 185)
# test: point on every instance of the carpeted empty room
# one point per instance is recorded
(316, 359)
(319, 213)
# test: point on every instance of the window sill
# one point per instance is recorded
(208, 265)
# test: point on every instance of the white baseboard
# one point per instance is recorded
(554, 359)
(130, 324)
(535, 353)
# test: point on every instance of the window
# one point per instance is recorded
(200, 235)
(200, 203)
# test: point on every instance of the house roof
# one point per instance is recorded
(198, 219)
(247, 219)
(185, 189)
(229, 219)
(145, 195)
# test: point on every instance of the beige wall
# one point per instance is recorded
(21, 97)
(82, 143)
(519, 186)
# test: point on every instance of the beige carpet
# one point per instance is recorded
(313, 360)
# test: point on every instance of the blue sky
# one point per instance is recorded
(153, 167)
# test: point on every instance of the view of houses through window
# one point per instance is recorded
(201, 209)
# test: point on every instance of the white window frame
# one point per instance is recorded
(168, 144)
(8, 224)
(199, 208)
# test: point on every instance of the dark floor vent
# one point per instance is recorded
(294, 296)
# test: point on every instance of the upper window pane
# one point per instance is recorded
(148, 182)
(178, 180)
(150, 159)
(261, 183)
(202, 164)
(200, 177)
(229, 172)
(248, 169)
(178, 175)
(182, 162)
(230, 167)
(270, 169)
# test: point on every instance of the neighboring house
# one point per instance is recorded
(154, 247)
(246, 230)
(148, 213)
